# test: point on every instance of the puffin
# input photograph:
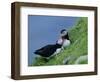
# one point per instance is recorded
(50, 50)
(65, 37)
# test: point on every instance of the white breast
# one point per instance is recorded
(66, 43)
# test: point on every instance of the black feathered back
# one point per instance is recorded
(47, 50)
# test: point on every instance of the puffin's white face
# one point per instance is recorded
(63, 33)
(60, 41)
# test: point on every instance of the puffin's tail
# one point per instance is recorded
(37, 52)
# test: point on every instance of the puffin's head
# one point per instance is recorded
(63, 32)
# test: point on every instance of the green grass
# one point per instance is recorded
(78, 47)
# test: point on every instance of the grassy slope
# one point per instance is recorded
(78, 47)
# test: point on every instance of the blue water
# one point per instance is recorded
(43, 30)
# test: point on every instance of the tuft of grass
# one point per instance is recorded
(78, 36)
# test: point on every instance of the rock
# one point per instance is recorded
(81, 59)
